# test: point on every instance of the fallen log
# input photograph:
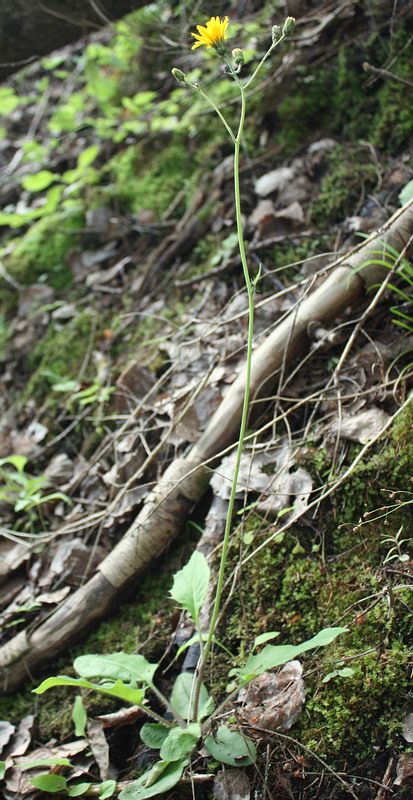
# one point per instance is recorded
(186, 479)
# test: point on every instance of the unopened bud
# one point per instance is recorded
(276, 33)
(238, 57)
(289, 25)
(179, 75)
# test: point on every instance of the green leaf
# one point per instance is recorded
(229, 747)
(182, 693)
(49, 783)
(40, 181)
(118, 689)
(77, 789)
(88, 156)
(153, 734)
(143, 787)
(45, 762)
(2, 769)
(264, 637)
(107, 789)
(120, 666)
(195, 638)
(406, 193)
(79, 716)
(8, 100)
(180, 742)
(206, 709)
(19, 462)
(190, 584)
(274, 655)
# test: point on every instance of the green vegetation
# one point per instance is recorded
(350, 175)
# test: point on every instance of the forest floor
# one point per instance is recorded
(122, 303)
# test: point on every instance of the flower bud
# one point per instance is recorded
(276, 33)
(289, 25)
(179, 75)
(238, 57)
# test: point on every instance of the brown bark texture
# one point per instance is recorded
(33, 28)
(184, 482)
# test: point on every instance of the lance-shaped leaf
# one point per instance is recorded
(274, 655)
(118, 689)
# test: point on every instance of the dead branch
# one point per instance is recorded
(185, 480)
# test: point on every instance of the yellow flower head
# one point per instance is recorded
(212, 35)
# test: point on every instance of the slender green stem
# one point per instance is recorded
(215, 107)
(268, 53)
(168, 706)
(244, 415)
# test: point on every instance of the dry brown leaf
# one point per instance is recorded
(232, 784)
(17, 779)
(404, 770)
(6, 732)
(99, 746)
(274, 700)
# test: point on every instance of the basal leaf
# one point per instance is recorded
(49, 783)
(77, 789)
(180, 742)
(118, 689)
(143, 787)
(107, 789)
(117, 666)
(182, 694)
(190, 584)
(230, 747)
(153, 734)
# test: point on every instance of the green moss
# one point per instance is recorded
(39, 254)
(350, 175)
(335, 574)
(148, 181)
(392, 125)
(59, 354)
(338, 99)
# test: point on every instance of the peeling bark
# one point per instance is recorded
(184, 482)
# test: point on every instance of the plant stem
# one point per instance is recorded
(215, 107)
(244, 415)
(268, 53)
